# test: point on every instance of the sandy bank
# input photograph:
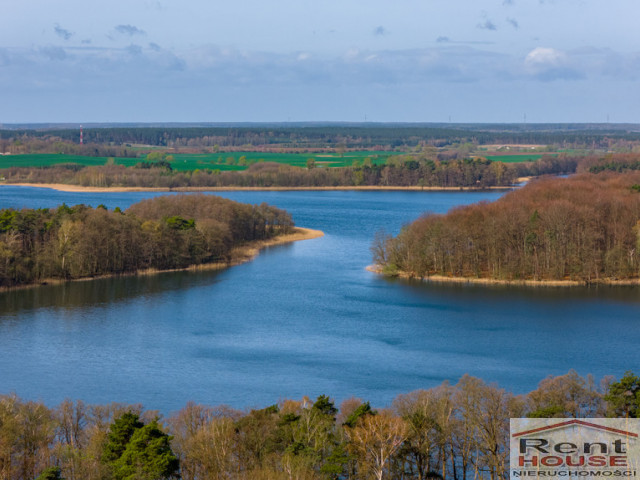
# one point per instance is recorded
(63, 187)
(525, 283)
(239, 254)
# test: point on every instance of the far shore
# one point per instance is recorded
(63, 187)
(240, 254)
(377, 269)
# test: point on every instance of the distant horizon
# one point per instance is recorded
(319, 123)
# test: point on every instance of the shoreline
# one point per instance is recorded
(63, 187)
(377, 269)
(241, 254)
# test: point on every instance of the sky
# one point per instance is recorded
(323, 60)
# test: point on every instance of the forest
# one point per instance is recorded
(415, 170)
(167, 232)
(398, 172)
(449, 432)
(585, 228)
(312, 136)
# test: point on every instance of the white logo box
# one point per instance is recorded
(577, 447)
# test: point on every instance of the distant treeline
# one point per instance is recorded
(427, 169)
(450, 432)
(161, 233)
(611, 163)
(585, 228)
(407, 170)
(314, 137)
(398, 172)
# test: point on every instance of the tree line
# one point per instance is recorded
(165, 232)
(426, 168)
(585, 227)
(322, 136)
(398, 171)
(449, 432)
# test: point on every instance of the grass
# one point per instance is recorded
(49, 159)
(516, 158)
(194, 161)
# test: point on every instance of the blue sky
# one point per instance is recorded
(333, 60)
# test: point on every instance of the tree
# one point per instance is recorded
(51, 473)
(362, 410)
(623, 397)
(567, 395)
(419, 410)
(120, 433)
(375, 440)
(147, 456)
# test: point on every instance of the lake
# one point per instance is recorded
(301, 319)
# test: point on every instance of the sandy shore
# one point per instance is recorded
(525, 283)
(240, 255)
(63, 187)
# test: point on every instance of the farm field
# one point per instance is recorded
(193, 161)
(517, 158)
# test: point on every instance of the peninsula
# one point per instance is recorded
(164, 233)
(556, 231)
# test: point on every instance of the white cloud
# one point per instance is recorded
(549, 64)
(542, 56)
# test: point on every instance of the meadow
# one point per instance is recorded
(517, 158)
(211, 161)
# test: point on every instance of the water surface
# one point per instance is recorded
(301, 319)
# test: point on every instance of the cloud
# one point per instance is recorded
(355, 66)
(134, 49)
(379, 31)
(508, 2)
(544, 56)
(487, 25)
(53, 53)
(130, 30)
(211, 66)
(549, 64)
(61, 32)
(513, 22)
(462, 42)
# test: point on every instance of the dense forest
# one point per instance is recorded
(161, 233)
(585, 228)
(397, 172)
(362, 136)
(450, 432)
(416, 170)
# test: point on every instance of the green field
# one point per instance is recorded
(517, 158)
(193, 161)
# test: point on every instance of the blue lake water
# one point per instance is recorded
(301, 319)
